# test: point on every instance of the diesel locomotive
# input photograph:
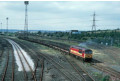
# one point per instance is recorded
(85, 54)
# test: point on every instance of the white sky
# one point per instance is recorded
(64, 15)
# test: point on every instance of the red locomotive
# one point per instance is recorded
(85, 54)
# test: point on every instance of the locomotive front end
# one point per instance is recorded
(88, 54)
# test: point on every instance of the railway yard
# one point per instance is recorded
(60, 41)
(44, 60)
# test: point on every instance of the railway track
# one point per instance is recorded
(22, 57)
(8, 72)
(64, 71)
(85, 76)
(25, 74)
(106, 69)
(102, 68)
(42, 70)
(38, 73)
(6, 66)
(39, 63)
(1, 52)
(82, 73)
(13, 66)
(59, 67)
(2, 48)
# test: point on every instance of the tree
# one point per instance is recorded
(39, 32)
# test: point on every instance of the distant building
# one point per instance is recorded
(75, 32)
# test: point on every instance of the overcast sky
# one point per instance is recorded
(61, 15)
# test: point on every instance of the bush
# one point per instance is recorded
(106, 78)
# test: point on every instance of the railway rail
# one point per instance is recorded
(25, 74)
(6, 67)
(13, 66)
(27, 64)
(39, 63)
(110, 72)
(2, 50)
(58, 66)
(18, 50)
(69, 75)
(83, 74)
(8, 72)
(42, 70)
(77, 68)
(106, 69)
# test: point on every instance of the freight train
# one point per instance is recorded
(85, 54)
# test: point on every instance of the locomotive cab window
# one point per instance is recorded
(80, 51)
(88, 51)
